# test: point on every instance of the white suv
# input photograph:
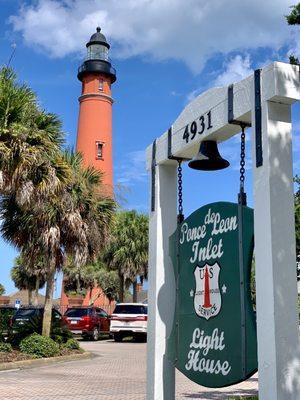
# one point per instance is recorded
(129, 319)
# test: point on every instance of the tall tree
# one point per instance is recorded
(2, 290)
(72, 222)
(30, 140)
(91, 276)
(127, 251)
(294, 19)
(28, 277)
(50, 205)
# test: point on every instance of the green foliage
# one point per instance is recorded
(26, 278)
(294, 60)
(5, 347)
(109, 282)
(5, 316)
(2, 289)
(51, 206)
(72, 344)
(127, 251)
(60, 334)
(243, 398)
(77, 281)
(39, 346)
(294, 17)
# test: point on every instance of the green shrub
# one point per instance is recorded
(5, 347)
(72, 344)
(61, 334)
(5, 316)
(39, 346)
(243, 398)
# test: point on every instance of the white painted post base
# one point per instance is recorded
(275, 258)
(161, 300)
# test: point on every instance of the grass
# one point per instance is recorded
(243, 398)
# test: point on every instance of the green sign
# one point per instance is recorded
(213, 340)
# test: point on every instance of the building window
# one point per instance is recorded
(99, 150)
(101, 85)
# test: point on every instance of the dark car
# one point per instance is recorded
(89, 322)
(28, 320)
(6, 314)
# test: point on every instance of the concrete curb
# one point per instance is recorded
(40, 362)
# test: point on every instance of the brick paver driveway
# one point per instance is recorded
(117, 372)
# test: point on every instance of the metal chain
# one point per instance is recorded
(180, 201)
(242, 161)
(242, 194)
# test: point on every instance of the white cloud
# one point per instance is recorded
(236, 69)
(190, 31)
(132, 168)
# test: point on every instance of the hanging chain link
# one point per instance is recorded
(180, 216)
(242, 194)
(242, 160)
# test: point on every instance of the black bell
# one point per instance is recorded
(208, 158)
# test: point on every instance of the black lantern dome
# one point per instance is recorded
(97, 60)
(98, 38)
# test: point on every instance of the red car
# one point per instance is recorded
(89, 322)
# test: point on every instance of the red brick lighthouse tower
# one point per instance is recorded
(94, 135)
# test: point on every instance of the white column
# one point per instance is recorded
(275, 258)
(161, 292)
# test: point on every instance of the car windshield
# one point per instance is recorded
(25, 313)
(130, 309)
(77, 312)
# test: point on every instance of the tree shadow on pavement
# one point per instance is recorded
(224, 393)
(217, 395)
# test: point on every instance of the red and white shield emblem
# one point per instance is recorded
(207, 297)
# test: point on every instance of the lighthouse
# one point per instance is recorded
(94, 134)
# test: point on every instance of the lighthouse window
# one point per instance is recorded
(97, 52)
(101, 85)
(99, 150)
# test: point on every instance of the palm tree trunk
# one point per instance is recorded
(49, 299)
(36, 291)
(78, 288)
(134, 294)
(30, 297)
(121, 291)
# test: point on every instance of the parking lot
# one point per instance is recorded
(117, 371)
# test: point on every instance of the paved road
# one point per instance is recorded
(118, 372)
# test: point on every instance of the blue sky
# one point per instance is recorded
(165, 52)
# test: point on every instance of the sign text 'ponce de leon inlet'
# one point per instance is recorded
(213, 341)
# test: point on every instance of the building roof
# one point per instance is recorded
(23, 296)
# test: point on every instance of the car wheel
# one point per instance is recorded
(118, 337)
(95, 335)
(140, 337)
(144, 338)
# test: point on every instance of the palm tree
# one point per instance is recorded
(30, 141)
(51, 206)
(74, 222)
(2, 289)
(127, 251)
(28, 277)
(90, 276)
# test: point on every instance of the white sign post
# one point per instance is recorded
(264, 100)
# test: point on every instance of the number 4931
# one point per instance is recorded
(197, 127)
